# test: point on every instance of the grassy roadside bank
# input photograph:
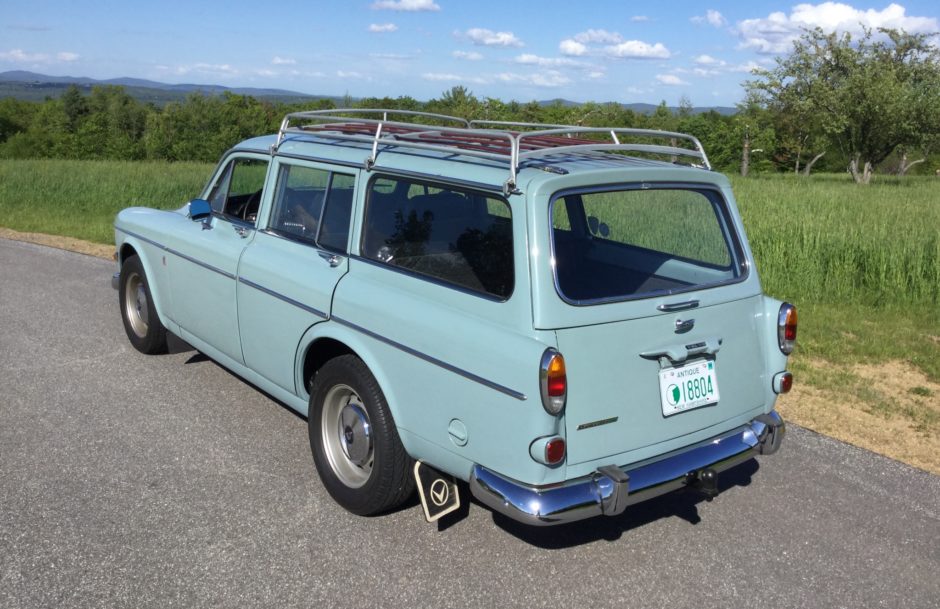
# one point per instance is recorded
(862, 265)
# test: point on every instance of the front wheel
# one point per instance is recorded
(138, 312)
(354, 441)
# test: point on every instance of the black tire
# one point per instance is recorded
(141, 322)
(364, 467)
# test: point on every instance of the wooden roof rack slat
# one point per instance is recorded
(503, 141)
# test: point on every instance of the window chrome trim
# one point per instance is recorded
(283, 298)
(433, 360)
(429, 279)
(316, 159)
(434, 182)
(433, 179)
(736, 250)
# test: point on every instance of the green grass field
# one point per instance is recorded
(80, 198)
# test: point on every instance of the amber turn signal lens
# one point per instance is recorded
(557, 379)
(553, 382)
(786, 328)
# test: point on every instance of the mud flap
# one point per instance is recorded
(438, 491)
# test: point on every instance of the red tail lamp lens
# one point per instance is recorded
(786, 328)
(786, 383)
(554, 451)
(553, 382)
(557, 379)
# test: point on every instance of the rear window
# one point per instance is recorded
(636, 242)
(458, 237)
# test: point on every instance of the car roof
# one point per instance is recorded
(488, 154)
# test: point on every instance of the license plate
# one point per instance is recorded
(687, 387)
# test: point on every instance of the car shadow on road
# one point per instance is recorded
(682, 503)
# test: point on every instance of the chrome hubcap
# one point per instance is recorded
(136, 305)
(347, 436)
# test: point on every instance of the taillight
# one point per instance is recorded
(786, 328)
(783, 382)
(553, 382)
(549, 450)
(554, 451)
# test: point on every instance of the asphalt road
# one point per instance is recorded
(135, 481)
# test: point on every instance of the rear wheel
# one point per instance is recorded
(141, 322)
(354, 441)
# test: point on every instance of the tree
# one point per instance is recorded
(868, 96)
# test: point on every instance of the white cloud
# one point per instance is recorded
(548, 79)
(449, 77)
(745, 67)
(350, 74)
(775, 33)
(379, 28)
(705, 72)
(711, 17)
(283, 61)
(670, 79)
(637, 49)
(596, 74)
(530, 59)
(217, 70)
(21, 56)
(406, 5)
(639, 18)
(484, 37)
(708, 60)
(468, 55)
(572, 47)
(598, 36)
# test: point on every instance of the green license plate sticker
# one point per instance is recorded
(687, 387)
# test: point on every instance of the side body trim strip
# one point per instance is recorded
(433, 360)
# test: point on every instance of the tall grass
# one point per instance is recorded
(826, 240)
(80, 198)
(820, 239)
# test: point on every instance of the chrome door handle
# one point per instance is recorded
(333, 259)
(242, 231)
(678, 306)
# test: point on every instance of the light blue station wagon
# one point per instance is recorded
(568, 319)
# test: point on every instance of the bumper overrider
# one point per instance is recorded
(611, 489)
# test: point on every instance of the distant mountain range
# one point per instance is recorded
(36, 87)
(31, 86)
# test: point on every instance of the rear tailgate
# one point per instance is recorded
(614, 393)
(638, 270)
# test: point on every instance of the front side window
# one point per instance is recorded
(633, 243)
(313, 205)
(458, 237)
(237, 192)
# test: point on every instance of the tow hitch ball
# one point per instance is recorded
(704, 481)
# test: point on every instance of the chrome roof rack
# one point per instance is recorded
(501, 141)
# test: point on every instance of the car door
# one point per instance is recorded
(288, 272)
(204, 274)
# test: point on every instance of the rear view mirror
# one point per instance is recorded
(199, 209)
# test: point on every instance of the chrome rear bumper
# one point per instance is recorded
(611, 488)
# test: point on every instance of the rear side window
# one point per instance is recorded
(632, 243)
(313, 205)
(459, 237)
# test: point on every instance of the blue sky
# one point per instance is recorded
(601, 50)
